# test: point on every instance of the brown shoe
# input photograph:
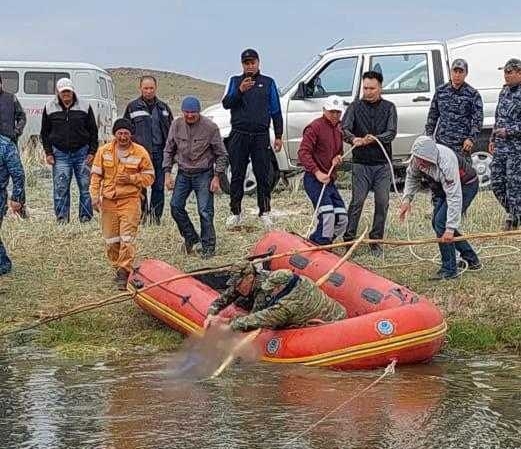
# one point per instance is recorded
(121, 279)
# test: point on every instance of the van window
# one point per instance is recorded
(10, 81)
(42, 83)
(103, 88)
(111, 89)
(336, 78)
(84, 84)
(405, 73)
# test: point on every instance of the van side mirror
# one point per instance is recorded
(300, 93)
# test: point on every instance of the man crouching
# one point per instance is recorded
(121, 169)
(292, 300)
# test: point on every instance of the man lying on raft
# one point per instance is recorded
(287, 300)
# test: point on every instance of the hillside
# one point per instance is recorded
(172, 87)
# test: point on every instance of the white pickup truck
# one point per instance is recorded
(412, 72)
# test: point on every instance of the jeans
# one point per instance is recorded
(365, 178)
(199, 183)
(439, 222)
(5, 262)
(154, 210)
(65, 164)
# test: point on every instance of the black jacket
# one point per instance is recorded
(378, 119)
(252, 110)
(68, 129)
(12, 116)
(139, 113)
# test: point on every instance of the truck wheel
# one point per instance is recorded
(250, 184)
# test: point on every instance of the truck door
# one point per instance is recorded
(409, 82)
(104, 111)
(337, 76)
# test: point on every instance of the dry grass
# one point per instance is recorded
(60, 267)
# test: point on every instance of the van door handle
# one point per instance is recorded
(346, 103)
(415, 100)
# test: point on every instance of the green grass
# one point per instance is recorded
(56, 268)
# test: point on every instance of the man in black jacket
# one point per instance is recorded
(12, 115)
(70, 139)
(151, 118)
(364, 120)
(253, 101)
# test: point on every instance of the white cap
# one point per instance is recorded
(334, 103)
(64, 84)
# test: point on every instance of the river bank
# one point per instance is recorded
(60, 267)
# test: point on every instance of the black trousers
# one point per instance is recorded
(365, 178)
(241, 148)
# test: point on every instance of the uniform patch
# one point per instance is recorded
(385, 327)
(273, 345)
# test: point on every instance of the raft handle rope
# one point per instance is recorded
(388, 370)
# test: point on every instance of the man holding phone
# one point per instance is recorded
(253, 101)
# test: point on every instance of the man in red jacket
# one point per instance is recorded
(321, 149)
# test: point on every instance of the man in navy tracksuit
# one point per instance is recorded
(151, 118)
(253, 100)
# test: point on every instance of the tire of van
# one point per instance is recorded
(250, 184)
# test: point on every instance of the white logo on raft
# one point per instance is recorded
(385, 327)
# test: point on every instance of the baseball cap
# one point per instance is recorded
(512, 64)
(334, 103)
(64, 84)
(249, 53)
(460, 64)
(191, 104)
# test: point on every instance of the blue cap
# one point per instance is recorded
(191, 104)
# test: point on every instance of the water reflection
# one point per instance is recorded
(466, 403)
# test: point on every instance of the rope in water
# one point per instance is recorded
(388, 370)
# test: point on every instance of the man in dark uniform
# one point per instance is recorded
(456, 115)
(253, 101)
(151, 118)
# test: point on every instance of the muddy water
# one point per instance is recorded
(139, 403)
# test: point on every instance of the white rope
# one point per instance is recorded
(388, 370)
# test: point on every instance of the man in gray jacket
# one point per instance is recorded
(454, 184)
(194, 142)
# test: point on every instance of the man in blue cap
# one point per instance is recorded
(253, 101)
(195, 144)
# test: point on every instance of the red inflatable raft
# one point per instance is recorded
(385, 321)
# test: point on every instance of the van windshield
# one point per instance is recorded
(300, 74)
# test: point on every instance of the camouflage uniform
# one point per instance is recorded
(10, 166)
(303, 303)
(506, 161)
(458, 114)
(255, 301)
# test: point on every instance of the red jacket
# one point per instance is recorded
(321, 142)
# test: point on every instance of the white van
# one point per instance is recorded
(412, 72)
(34, 85)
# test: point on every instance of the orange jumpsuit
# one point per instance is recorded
(120, 203)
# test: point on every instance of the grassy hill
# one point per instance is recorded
(172, 87)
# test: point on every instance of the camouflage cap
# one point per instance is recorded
(512, 64)
(276, 278)
(239, 271)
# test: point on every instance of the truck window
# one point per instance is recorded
(405, 73)
(336, 78)
(84, 84)
(42, 83)
(10, 81)
(103, 88)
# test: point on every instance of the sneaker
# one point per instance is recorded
(509, 224)
(376, 250)
(121, 279)
(442, 275)
(207, 254)
(191, 247)
(234, 220)
(85, 219)
(462, 264)
(61, 221)
(266, 220)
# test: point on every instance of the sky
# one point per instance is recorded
(204, 38)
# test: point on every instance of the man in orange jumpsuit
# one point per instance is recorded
(121, 169)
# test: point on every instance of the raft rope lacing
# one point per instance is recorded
(388, 370)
